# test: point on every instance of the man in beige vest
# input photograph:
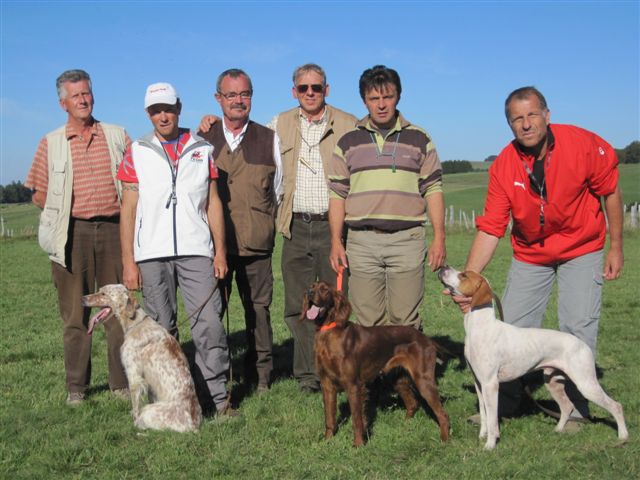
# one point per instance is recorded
(73, 180)
(308, 134)
(247, 155)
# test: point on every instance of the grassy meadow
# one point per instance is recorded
(279, 434)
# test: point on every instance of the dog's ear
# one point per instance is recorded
(483, 293)
(131, 307)
(341, 310)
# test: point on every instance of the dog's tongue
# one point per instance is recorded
(98, 318)
(313, 312)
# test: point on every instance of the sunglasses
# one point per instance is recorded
(315, 88)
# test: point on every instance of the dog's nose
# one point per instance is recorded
(310, 296)
(442, 270)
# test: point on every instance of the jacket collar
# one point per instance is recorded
(401, 123)
(551, 142)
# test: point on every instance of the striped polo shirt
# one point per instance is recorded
(384, 180)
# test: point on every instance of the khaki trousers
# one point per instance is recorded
(386, 283)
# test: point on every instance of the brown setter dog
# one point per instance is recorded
(350, 356)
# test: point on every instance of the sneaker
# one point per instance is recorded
(121, 393)
(75, 398)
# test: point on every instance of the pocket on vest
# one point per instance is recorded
(261, 233)
(46, 229)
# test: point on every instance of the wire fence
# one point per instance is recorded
(456, 219)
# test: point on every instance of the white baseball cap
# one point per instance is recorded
(160, 93)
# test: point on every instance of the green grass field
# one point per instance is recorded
(279, 435)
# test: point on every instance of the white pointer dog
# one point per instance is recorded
(154, 362)
(499, 352)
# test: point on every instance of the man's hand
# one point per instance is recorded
(206, 122)
(463, 302)
(613, 264)
(220, 267)
(131, 275)
(338, 257)
(437, 254)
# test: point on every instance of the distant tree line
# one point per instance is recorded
(15, 192)
(456, 166)
(630, 153)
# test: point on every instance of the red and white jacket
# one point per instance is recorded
(171, 216)
(579, 169)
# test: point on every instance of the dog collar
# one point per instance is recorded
(328, 326)
(480, 307)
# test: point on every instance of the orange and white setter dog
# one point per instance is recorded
(155, 364)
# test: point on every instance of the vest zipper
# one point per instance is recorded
(173, 199)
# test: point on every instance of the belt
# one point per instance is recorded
(376, 230)
(99, 218)
(311, 217)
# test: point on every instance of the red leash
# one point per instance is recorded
(339, 278)
(331, 325)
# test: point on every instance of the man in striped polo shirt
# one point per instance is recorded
(385, 178)
(73, 180)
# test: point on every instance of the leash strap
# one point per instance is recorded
(498, 305)
(226, 301)
(339, 278)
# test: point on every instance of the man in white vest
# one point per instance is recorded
(172, 234)
(73, 180)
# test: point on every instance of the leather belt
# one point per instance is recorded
(311, 217)
(99, 218)
(376, 230)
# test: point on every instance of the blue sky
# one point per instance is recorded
(458, 60)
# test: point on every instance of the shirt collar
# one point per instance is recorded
(71, 131)
(401, 123)
(322, 120)
(229, 134)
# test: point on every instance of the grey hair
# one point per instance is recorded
(523, 93)
(72, 76)
(233, 73)
(309, 67)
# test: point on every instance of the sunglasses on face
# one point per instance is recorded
(315, 88)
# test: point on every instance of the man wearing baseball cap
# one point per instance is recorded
(172, 234)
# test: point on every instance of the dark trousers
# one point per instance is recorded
(93, 260)
(305, 259)
(254, 279)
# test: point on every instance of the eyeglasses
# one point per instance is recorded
(315, 88)
(233, 95)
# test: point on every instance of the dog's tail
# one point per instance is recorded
(442, 354)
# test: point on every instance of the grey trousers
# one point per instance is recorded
(305, 259)
(579, 296)
(194, 276)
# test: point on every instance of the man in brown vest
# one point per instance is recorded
(248, 158)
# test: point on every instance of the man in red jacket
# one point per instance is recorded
(550, 181)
